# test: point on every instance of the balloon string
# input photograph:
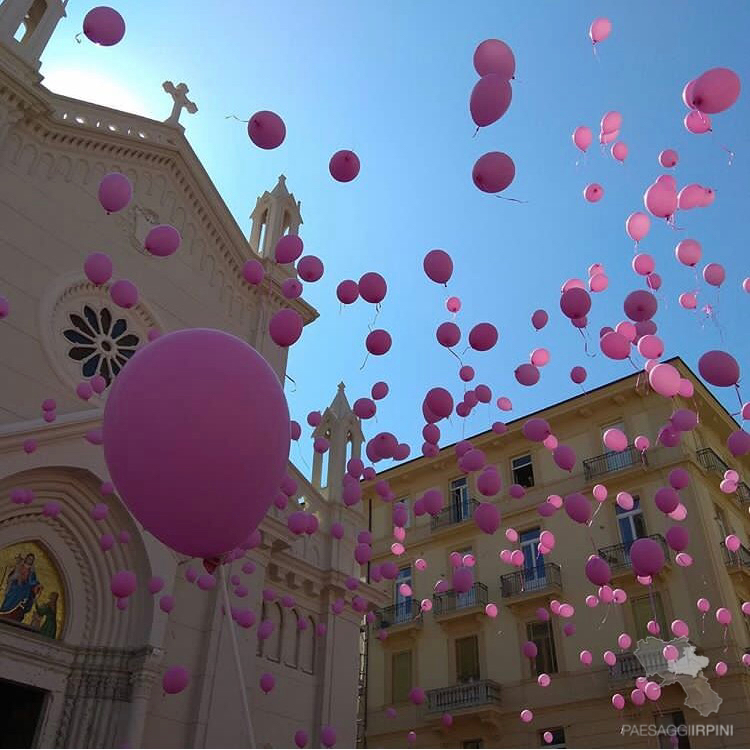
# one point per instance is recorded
(234, 117)
(513, 200)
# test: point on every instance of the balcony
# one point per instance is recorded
(529, 584)
(453, 514)
(406, 612)
(711, 461)
(738, 563)
(618, 555)
(613, 461)
(468, 695)
(451, 602)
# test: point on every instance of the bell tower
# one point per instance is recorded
(26, 26)
(275, 214)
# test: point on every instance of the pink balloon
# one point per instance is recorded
(288, 248)
(490, 99)
(582, 137)
(494, 56)
(715, 91)
(104, 26)
(593, 193)
(599, 30)
(372, 287)
(714, 274)
(285, 327)
(697, 123)
(162, 241)
(347, 292)
(98, 268)
(493, 172)
(266, 130)
(115, 192)
(124, 294)
(193, 443)
(719, 368)
(688, 252)
(637, 225)
(619, 151)
(344, 166)
(175, 680)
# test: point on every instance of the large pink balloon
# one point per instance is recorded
(372, 287)
(285, 327)
(266, 129)
(344, 166)
(719, 368)
(482, 337)
(196, 439)
(582, 137)
(697, 123)
(716, 90)
(104, 26)
(599, 30)
(115, 192)
(438, 266)
(637, 225)
(493, 172)
(490, 99)
(494, 56)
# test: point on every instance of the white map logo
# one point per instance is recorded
(687, 670)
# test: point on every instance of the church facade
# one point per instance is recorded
(75, 670)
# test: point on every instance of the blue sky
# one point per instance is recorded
(391, 81)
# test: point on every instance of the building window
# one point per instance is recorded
(467, 659)
(460, 510)
(647, 608)
(473, 743)
(558, 738)
(101, 344)
(522, 471)
(533, 563)
(402, 604)
(630, 523)
(546, 658)
(672, 726)
(400, 676)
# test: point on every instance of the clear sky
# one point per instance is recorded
(391, 80)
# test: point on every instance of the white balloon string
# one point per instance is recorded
(238, 663)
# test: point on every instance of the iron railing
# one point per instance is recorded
(740, 558)
(467, 695)
(522, 581)
(451, 601)
(454, 513)
(618, 555)
(613, 461)
(400, 613)
(710, 460)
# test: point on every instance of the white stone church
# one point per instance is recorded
(76, 671)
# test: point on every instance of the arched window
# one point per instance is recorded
(307, 641)
(291, 639)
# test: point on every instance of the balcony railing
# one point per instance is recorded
(468, 695)
(406, 611)
(711, 461)
(523, 581)
(454, 513)
(740, 558)
(613, 461)
(451, 601)
(618, 555)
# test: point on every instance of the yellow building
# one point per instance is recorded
(471, 665)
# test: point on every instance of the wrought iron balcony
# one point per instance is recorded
(454, 513)
(467, 695)
(405, 612)
(618, 555)
(451, 601)
(738, 559)
(521, 582)
(613, 461)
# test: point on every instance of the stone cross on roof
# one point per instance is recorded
(179, 96)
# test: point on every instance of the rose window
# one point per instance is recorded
(101, 343)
